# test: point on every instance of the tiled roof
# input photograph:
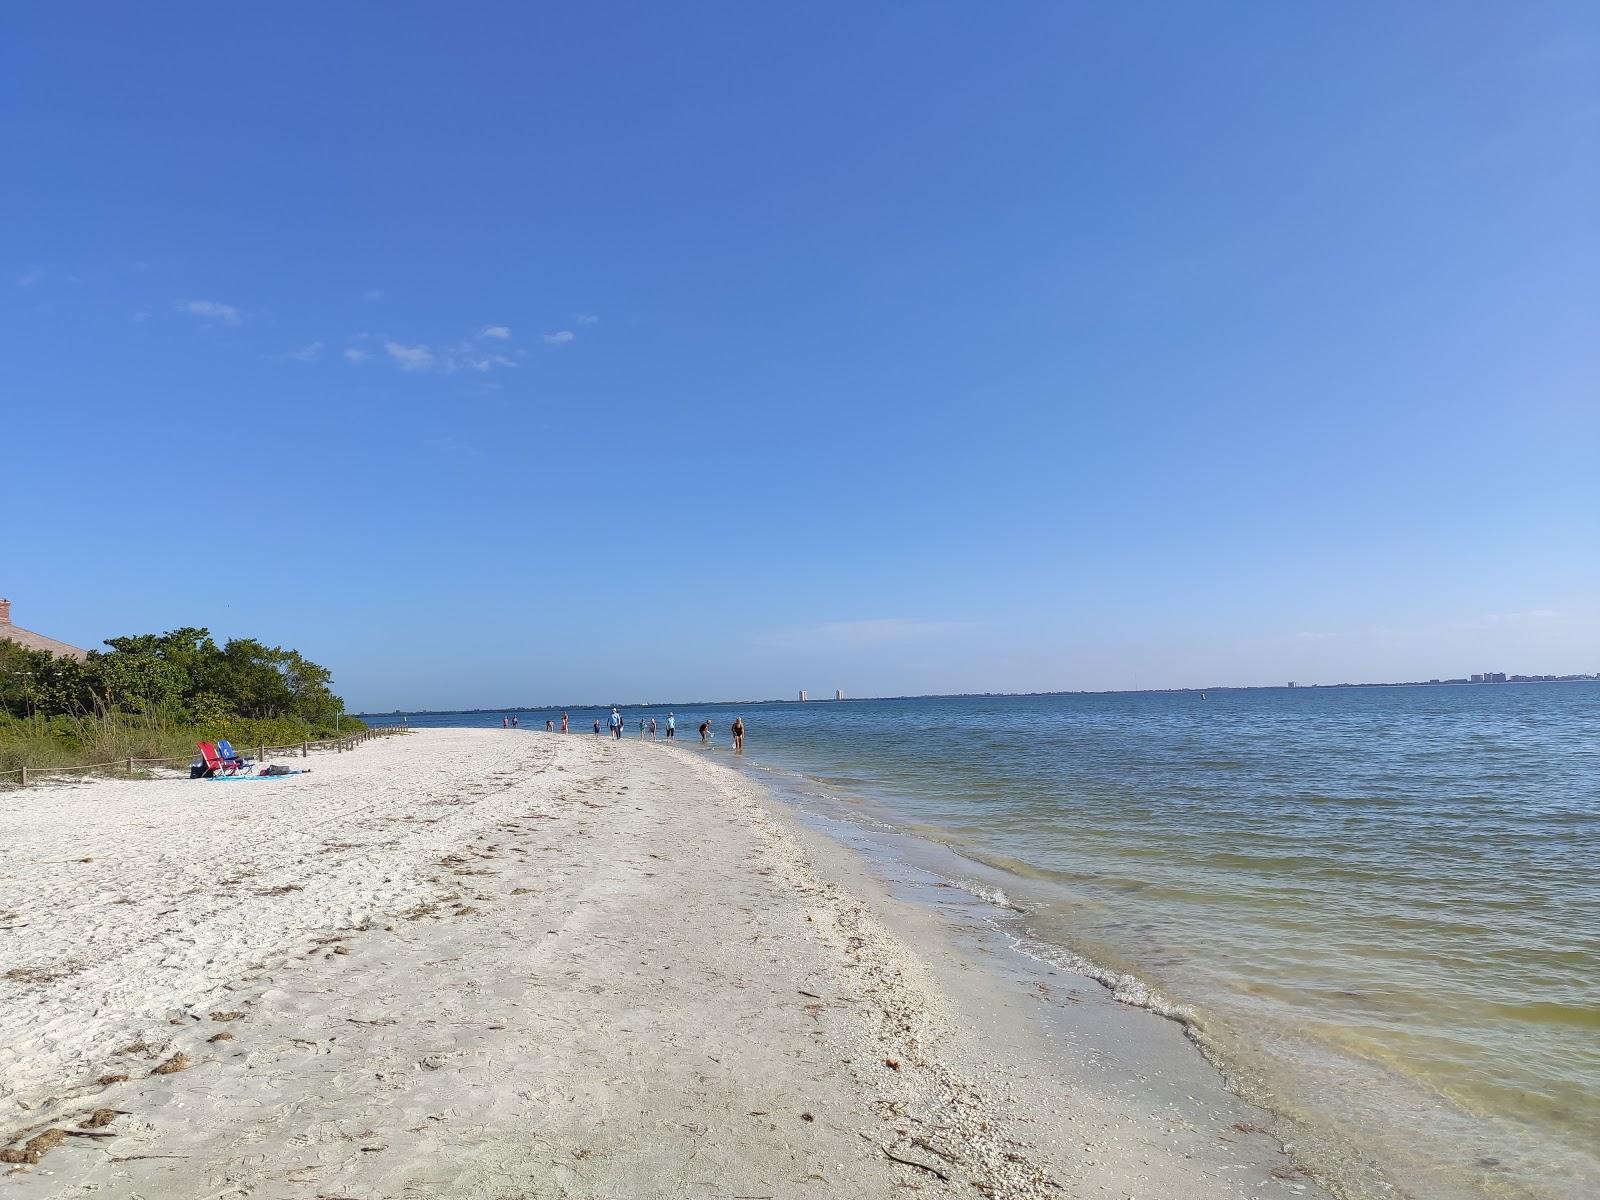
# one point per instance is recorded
(29, 640)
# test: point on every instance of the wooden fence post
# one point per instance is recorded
(24, 774)
(129, 765)
(261, 752)
(305, 749)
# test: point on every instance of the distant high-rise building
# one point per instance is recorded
(838, 694)
(802, 695)
(1477, 679)
(1291, 683)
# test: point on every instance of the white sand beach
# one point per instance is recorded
(484, 963)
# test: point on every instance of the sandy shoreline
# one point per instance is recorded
(509, 964)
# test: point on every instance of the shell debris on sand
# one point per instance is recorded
(35, 1147)
(178, 1062)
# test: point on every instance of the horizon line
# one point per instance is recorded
(1231, 687)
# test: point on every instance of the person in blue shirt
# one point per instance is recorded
(672, 726)
(616, 724)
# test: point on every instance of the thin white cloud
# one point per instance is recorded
(142, 314)
(29, 279)
(587, 319)
(1529, 617)
(886, 630)
(864, 634)
(559, 338)
(211, 310)
(355, 354)
(1486, 621)
(309, 353)
(372, 294)
(495, 331)
(410, 358)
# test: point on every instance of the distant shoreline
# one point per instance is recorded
(1253, 687)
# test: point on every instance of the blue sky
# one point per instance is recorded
(497, 354)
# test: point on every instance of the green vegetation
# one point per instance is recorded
(155, 696)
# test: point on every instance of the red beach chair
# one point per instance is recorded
(215, 763)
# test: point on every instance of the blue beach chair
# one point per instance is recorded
(231, 757)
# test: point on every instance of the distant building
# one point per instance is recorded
(1477, 679)
(1291, 683)
(29, 640)
(1494, 676)
(802, 695)
(837, 694)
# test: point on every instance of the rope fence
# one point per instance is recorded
(25, 775)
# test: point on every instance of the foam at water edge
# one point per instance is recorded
(1124, 987)
(988, 895)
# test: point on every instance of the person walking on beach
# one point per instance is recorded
(641, 727)
(616, 725)
(597, 727)
(705, 731)
(566, 726)
(672, 726)
(505, 722)
(738, 735)
(652, 727)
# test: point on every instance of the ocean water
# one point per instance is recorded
(1376, 909)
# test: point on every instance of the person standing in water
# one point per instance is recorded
(705, 732)
(672, 726)
(738, 735)
(597, 727)
(566, 725)
(652, 727)
(616, 725)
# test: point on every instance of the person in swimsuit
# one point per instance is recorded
(705, 731)
(597, 727)
(566, 726)
(738, 735)
(549, 725)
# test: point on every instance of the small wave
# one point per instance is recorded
(1125, 987)
(989, 895)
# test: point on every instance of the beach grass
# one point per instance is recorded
(41, 743)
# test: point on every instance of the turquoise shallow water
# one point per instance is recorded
(1378, 909)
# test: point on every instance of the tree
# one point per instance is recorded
(181, 675)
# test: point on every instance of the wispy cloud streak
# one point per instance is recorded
(410, 358)
(211, 310)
